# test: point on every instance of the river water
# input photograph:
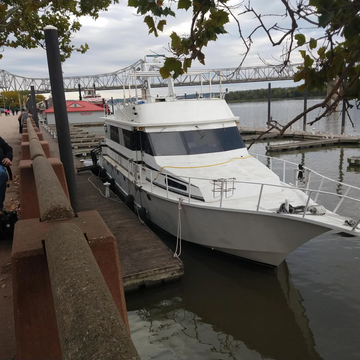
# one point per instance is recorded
(226, 308)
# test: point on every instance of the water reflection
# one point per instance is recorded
(223, 309)
(339, 189)
(332, 123)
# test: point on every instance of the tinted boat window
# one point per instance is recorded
(167, 143)
(114, 133)
(131, 139)
(121, 137)
(194, 142)
(176, 184)
(201, 141)
(146, 144)
(229, 138)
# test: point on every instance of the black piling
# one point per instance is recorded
(269, 105)
(305, 108)
(33, 107)
(60, 111)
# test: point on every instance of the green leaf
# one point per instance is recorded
(298, 76)
(151, 24)
(175, 40)
(313, 43)
(302, 53)
(314, 3)
(161, 25)
(164, 73)
(321, 52)
(325, 18)
(301, 39)
(172, 66)
(184, 4)
(201, 57)
(308, 61)
(133, 3)
(187, 64)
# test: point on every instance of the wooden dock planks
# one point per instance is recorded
(354, 161)
(144, 259)
(302, 145)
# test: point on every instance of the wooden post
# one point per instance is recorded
(269, 105)
(305, 108)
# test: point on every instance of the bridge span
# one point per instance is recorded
(118, 79)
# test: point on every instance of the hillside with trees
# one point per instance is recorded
(276, 93)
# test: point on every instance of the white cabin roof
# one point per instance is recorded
(192, 111)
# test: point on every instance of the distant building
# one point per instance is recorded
(79, 112)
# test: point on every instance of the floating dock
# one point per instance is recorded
(354, 161)
(296, 145)
(82, 141)
(299, 139)
(302, 145)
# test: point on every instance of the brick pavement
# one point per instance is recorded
(9, 131)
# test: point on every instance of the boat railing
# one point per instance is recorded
(306, 178)
(318, 195)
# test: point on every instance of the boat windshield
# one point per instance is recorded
(193, 142)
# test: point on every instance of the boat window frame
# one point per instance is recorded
(199, 148)
(225, 140)
(163, 134)
(114, 135)
(220, 145)
(176, 184)
(131, 139)
(146, 144)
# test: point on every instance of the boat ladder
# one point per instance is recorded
(223, 187)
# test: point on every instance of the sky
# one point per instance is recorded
(119, 37)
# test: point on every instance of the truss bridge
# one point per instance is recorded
(119, 79)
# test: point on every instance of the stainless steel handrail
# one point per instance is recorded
(308, 191)
(155, 178)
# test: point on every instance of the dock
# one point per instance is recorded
(296, 145)
(145, 260)
(354, 161)
(82, 141)
(302, 145)
(298, 139)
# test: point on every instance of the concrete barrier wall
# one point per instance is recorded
(28, 193)
(25, 136)
(53, 203)
(25, 149)
(89, 323)
(37, 334)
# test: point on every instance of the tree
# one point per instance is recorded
(330, 58)
(22, 21)
(11, 98)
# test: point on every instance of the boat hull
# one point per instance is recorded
(261, 237)
(254, 235)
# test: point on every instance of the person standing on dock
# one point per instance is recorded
(6, 155)
(22, 117)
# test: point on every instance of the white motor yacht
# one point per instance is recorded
(184, 165)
